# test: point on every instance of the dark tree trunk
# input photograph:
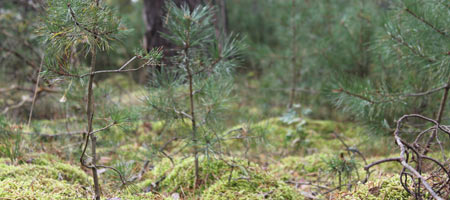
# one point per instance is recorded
(221, 17)
(154, 12)
(153, 16)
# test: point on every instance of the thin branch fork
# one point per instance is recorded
(87, 142)
(431, 91)
(122, 179)
(438, 125)
(72, 14)
(165, 146)
(210, 66)
(412, 170)
(396, 159)
(182, 113)
(138, 176)
(427, 92)
(122, 68)
(403, 159)
(104, 128)
(351, 149)
(18, 105)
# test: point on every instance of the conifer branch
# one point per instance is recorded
(122, 179)
(355, 95)
(72, 14)
(104, 128)
(413, 50)
(77, 23)
(427, 92)
(426, 22)
(122, 68)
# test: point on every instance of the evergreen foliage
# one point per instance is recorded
(75, 28)
(411, 61)
(198, 126)
(196, 88)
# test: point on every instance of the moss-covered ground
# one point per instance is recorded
(292, 158)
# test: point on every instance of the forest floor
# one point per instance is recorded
(301, 158)
(285, 157)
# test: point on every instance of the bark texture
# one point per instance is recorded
(154, 13)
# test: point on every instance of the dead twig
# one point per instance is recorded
(18, 105)
(405, 158)
(35, 90)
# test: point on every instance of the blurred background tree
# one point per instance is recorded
(306, 48)
(409, 68)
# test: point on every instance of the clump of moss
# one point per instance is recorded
(250, 185)
(159, 172)
(324, 126)
(137, 196)
(180, 178)
(183, 174)
(383, 188)
(299, 135)
(42, 179)
(247, 180)
(295, 166)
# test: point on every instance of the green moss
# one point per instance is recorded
(323, 126)
(138, 196)
(44, 179)
(160, 170)
(383, 188)
(183, 174)
(254, 185)
(304, 135)
(248, 181)
(180, 178)
(163, 167)
(295, 166)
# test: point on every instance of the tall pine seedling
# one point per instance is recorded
(84, 28)
(195, 87)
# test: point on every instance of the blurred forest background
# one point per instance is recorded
(224, 99)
